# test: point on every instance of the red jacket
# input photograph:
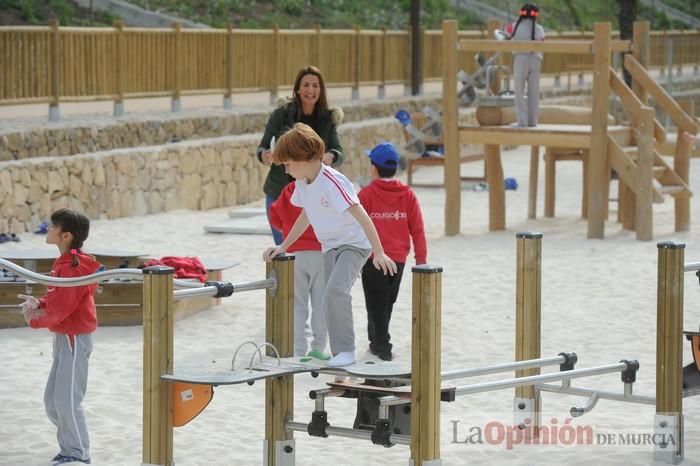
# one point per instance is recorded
(395, 212)
(283, 214)
(69, 310)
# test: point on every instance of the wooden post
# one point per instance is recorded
(681, 165)
(158, 324)
(118, 110)
(425, 365)
(381, 90)
(599, 172)
(532, 189)
(279, 391)
(355, 93)
(453, 182)
(228, 102)
(176, 103)
(550, 181)
(54, 112)
(668, 421)
(317, 50)
(644, 223)
(497, 190)
(626, 197)
(274, 65)
(528, 306)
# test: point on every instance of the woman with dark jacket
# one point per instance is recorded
(308, 105)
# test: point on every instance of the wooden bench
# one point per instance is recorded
(419, 120)
(119, 302)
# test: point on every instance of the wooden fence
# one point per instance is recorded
(52, 64)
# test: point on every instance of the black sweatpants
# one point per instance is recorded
(380, 295)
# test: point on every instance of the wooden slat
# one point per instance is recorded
(453, 196)
(644, 219)
(632, 104)
(567, 47)
(598, 164)
(425, 364)
(669, 329)
(279, 328)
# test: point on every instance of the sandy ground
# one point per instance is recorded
(598, 299)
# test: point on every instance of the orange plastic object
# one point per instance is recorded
(189, 400)
(696, 351)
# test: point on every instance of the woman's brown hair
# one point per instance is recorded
(322, 103)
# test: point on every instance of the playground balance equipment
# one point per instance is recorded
(395, 405)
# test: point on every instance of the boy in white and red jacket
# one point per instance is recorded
(70, 314)
(395, 212)
(309, 280)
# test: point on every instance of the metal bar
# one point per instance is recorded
(68, 282)
(256, 285)
(350, 433)
(647, 400)
(530, 380)
(518, 382)
(691, 266)
(179, 295)
(212, 290)
(507, 367)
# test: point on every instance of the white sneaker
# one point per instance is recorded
(344, 358)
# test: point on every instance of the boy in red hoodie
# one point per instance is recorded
(309, 281)
(69, 313)
(395, 212)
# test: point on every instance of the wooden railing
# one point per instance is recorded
(53, 64)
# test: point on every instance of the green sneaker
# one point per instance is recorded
(318, 355)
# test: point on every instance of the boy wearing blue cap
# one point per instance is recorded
(396, 214)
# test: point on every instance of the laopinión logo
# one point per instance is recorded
(496, 433)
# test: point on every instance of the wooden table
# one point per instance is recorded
(547, 135)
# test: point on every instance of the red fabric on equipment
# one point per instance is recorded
(185, 267)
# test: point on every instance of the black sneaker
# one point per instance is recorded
(385, 355)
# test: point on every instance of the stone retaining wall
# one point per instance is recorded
(80, 136)
(197, 174)
(192, 174)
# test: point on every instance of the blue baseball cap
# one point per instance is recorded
(384, 155)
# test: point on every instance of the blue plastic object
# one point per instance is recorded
(404, 117)
(510, 184)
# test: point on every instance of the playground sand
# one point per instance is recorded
(598, 299)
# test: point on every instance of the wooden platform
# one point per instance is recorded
(119, 302)
(566, 136)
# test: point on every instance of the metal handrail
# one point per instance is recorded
(72, 281)
(212, 291)
(131, 274)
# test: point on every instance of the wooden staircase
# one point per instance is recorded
(665, 181)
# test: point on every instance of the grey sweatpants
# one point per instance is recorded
(65, 391)
(341, 267)
(526, 69)
(309, 282)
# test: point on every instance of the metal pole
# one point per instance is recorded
(518, 382)
(647, 400)
(507, 367)
(350, 433)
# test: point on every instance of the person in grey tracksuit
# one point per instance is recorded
(526, 65)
